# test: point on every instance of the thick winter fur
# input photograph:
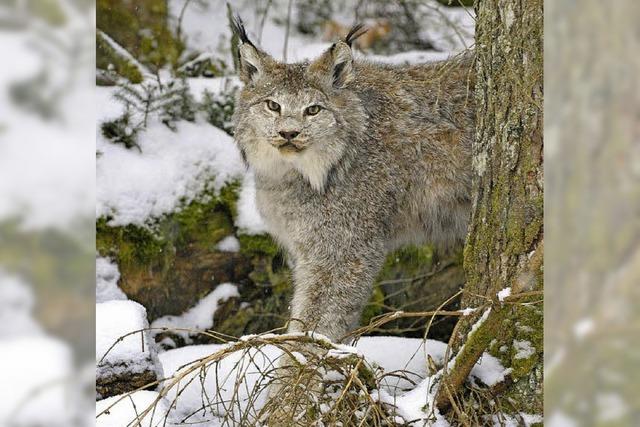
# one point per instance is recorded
(385, 162)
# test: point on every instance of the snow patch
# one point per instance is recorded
(107, 276)
(200, 316)
(583, 328)
(504, 294)
(524, 349)
(489, 370)
(16, 306)
(37, 370)
(173, 169)
(468, 311)
(125, 410)
(116, 352)
(228, 244)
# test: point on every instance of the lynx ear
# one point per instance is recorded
(336, 63)
(342, 69)
(335, 66)
(251, 61)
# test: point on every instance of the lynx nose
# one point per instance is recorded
(289, 135)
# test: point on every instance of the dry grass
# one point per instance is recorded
(305, 380)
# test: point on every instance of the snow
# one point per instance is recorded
(560, 419)
(524, 349)
(611, 406)
(123, 53)
(480, 321)
(45, 165)
(114, 320)
(530, 419)
(252, 368)
(173, 169)
(197, 86)
(401, 356)
(418, 404)
(200, 316)
(583, 327)
(204, 37)
(16, 306)
(122, 410)
(249, 220)
(107, 276)
(38, 370)
(107, 108)
(489, 370)
(393, 355)
(228, 244)
(504, 294)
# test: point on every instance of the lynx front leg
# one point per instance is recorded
(331, 290)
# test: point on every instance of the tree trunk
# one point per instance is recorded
(505, 243)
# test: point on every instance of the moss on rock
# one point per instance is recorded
(171, 264)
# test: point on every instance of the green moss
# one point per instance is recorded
(528, 328)
(141, 28)
(374, 307)
(522, 323)
(106, 58)
(258, 244)
(129, 245)
(533, 227)
(410, 260)
(201, 224)
(228, 197)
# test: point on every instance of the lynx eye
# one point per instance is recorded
(312, 110)
(273, 106)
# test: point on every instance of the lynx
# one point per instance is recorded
(353, 159)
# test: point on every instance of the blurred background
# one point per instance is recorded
(150, 221)
(47, 208)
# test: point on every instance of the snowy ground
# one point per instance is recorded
(232, 384)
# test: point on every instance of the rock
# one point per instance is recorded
(126, 357)
(174, 262)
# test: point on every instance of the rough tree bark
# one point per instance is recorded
(505, 243)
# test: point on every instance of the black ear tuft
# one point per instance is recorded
(355, 32)
(237, 26)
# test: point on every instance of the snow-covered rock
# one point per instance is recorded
(126, 356)
(172, 170)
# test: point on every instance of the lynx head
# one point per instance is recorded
(302, 117)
